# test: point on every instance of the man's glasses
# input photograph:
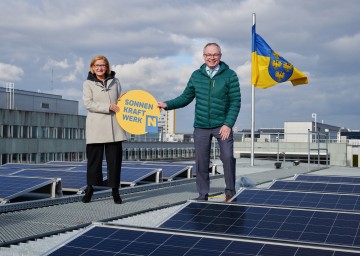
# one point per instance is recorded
(209, 55)
(100, 66)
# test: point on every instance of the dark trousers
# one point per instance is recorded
(202, 139)
(113, 154)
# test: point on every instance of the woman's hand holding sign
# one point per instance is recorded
(114, 108)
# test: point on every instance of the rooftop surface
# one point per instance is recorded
(36, 230)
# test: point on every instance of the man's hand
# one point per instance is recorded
(162, 105)
(224, 132)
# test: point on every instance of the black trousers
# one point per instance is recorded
(113, 155)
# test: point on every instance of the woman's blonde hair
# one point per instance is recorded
(100, 57)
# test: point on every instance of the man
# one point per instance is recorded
(216, 90)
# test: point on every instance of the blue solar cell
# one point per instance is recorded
(342, 188)
(299, 199)
(328, 179)
(296, 225)
(111, 240)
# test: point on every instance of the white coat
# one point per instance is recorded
(101, 123)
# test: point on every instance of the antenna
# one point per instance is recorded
(52, 79)
(10, 87)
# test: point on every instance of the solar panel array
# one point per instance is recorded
(259, 222)
(73, 174)
(293, 225)
(111, 240)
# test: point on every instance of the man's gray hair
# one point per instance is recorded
(215, 44)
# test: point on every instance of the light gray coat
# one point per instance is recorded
(101, 123)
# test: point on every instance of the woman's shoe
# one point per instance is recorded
(88, 194)
(116, 196)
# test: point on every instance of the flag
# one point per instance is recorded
(268, 68)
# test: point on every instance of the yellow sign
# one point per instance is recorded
(139, 113)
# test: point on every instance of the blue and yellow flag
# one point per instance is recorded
(268, 68)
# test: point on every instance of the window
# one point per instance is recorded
(16, 131)
(45, 105)
(33, 158)
(82, 134)
(25, 132)
(59, 157)
(34, 130)
(59, 133)
(44, 133)
(66, 133)
(24, 158)
(74, 133)
(52, 131)
(43, 157)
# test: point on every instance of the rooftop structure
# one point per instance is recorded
(44, 228)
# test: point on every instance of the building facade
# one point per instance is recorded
(38, 137)
(37, 127)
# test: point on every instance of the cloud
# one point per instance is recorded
(63, 64)
(345, 45)
(10, 72)
(77, 72)
(163, 78)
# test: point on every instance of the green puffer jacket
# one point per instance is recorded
(218, 99)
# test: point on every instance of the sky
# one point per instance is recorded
(47, 45)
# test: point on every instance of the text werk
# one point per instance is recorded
(137, 110)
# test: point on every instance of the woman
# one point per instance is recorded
(101, 91)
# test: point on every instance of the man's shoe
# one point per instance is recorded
(228, 198)
(116, 196)
(88, 194)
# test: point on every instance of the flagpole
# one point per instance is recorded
(252, 111)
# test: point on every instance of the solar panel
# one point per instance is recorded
(328, 179)
(133, 176)
(71, 180)
(170, 171)
(277, 224)
(176, 172)
(14, 186)
(299, 199)
(342, 188)
(117, 240)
